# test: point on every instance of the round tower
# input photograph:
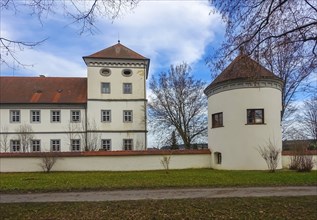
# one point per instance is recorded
(244, 114)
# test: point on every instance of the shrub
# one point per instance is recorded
(300, 161)
(271, 155)
(48, 161)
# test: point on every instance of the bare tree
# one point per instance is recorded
(25, 135)
(90, 137)
(73, 132)
(281, 35)
(271, 154)
(309, 118)
(4, 142)
(165, 161)
(255, 24)
(178, 103)
(85, 13)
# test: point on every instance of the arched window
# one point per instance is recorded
(218, 158)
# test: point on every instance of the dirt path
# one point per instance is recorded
(159, 194)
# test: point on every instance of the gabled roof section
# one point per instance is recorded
(243, 67)
(43, 90)
(117, 51)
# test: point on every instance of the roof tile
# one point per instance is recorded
(67, 90)
(117, 51)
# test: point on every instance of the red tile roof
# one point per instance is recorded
(18, 90)
(117, 51)
(243, 67)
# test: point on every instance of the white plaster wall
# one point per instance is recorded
(236, 141)
(106, 163)
(45, 125)
(286, 161)
(117, 108)
(116, 140)
(116, 80)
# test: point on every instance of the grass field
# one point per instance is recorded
(83, 181)
(226, 208)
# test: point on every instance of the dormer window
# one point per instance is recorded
(126, 72)
(105, 72)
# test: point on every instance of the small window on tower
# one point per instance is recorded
(126, 72)
(105, 72)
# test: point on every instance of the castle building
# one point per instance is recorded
(244, 114)
(104, 111)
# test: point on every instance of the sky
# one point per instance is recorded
(166, 32)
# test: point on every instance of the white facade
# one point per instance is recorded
(54, 126)
(118, 101)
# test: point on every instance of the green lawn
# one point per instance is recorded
(83, 181)
(222, 208)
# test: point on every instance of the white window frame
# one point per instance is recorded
(106, 115)
(15, 145)
(106, 144)
(127, 116)
(105, 88)
(36, 145)
(54, 117)
(15, 116)
(55, 143)
(75, 118)
(35, 116)
(75, 145)
(127, 144)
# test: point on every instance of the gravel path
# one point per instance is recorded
(118, 195)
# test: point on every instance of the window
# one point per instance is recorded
(106, 115)
(126, 72)
(127, 144)
(218, 158)
(127, 88)
(55, 116)
(75, 144)
(55, 145)
(105, 88)
(75, 116)
(127, 116)
(35, 116)
(35, 145)
(105, 72)
(217, 120)
(106, 144)
(255, 116)
(15, 115)
(15, 145)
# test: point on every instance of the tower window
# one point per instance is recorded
(217, 120)
(218, 158)
(105, 88)
(105, 72)
(255, 116)
(127, 88)
(126, 72)
(127, 116)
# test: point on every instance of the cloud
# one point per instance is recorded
(167, 32)
(42, 63)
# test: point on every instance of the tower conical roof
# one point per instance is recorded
(243, 67)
